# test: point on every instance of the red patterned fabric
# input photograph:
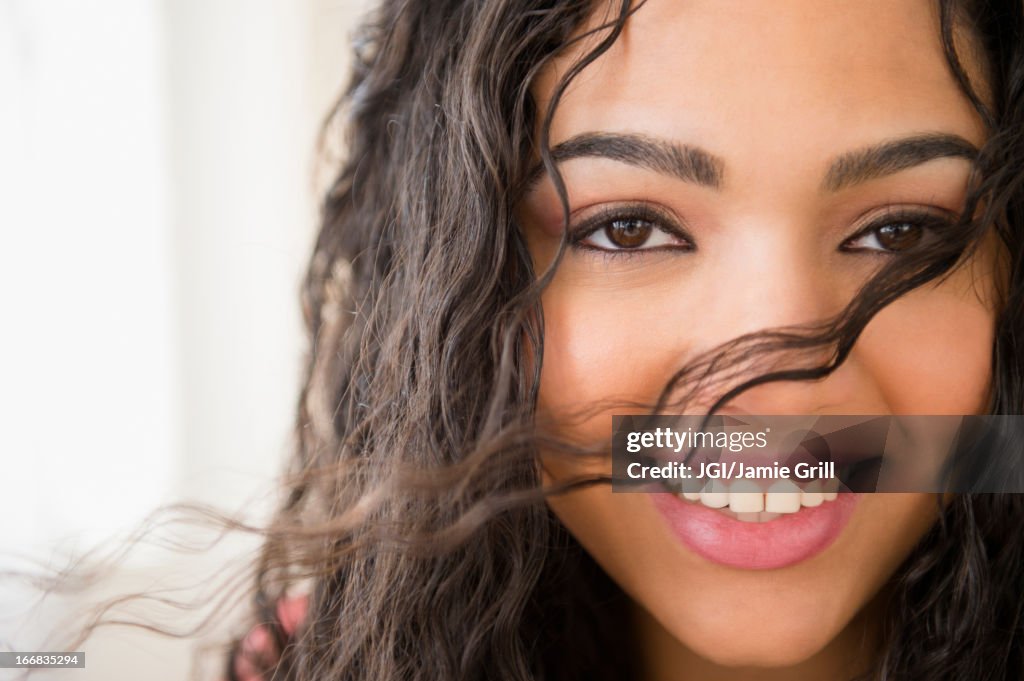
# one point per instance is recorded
(258, 648)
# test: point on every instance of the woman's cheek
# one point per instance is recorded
(931, 351)
(604, 350)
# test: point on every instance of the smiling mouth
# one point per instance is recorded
(762, 501)
(735, 526)
(745, 501)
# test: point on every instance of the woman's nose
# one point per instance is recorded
(782, 284)
(777, 277)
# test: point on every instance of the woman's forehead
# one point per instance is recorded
(788, 79)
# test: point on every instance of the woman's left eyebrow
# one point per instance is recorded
(892, 156)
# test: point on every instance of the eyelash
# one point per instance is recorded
(660, 220)
(929, 220)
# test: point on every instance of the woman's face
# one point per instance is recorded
(733, 166)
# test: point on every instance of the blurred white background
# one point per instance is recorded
(157, 207)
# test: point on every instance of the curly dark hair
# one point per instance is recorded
(423, 309)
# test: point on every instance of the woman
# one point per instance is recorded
(553, 212)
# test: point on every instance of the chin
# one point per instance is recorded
(766, 643)
(769, 627)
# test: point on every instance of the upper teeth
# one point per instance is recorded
(745, 497)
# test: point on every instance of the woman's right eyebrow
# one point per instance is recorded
(687, 163)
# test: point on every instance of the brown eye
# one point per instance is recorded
(898, 233)
(629, 233)
(631, 228)
(899, 236)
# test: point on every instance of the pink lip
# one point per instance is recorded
(777, 543)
